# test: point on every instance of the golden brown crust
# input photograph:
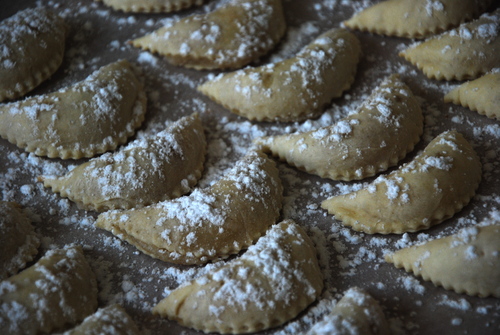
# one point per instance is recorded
(466, 262)
(111, 99)
(270, 284)
(208, 224)
(385, 128)
(230, 37)
(144, 172)
(151, 6)
(294, 89)
(432, 188)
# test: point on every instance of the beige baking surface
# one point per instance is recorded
(99, 35)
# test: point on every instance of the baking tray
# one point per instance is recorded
(98, 35)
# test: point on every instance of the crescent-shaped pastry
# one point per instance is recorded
(481, 95)
(467, 262)
(463, 53)
(383, 130)
(59, 290)
(270, 284)
(111, 320)
(146, 171)
(294, 89)
(415, 18)
(18, 240)
(356, 313)
(151, 6)
(432, 188)
(88, 118)
(210, 223)
(231, 36)
(32, 44)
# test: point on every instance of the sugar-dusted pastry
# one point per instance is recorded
(18, 240)
(466, 262)
(231, 36)
(481, 95)
(59, 290)
(463, 53)
(210, 223)
(32, 49)
(294, 89)
(146, 171)
(356, 313)
(415, 18)
(111, 320)
(438, 183)
(270, 284)
(380, 133)
(151, 6)
(85, 119)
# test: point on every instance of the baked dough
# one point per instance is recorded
(381, 132)
(416, 18)
(146, 171)
(432, 188)
(294, 89)
(111, 320)
(467, 262)
(481, 95)
(463, 53)
(88, 118)
(210, 223)
(151, 6)
(59, 290)
(231, 36)
(356, 313)
(270, 284)
(32, 50)
(18, 240)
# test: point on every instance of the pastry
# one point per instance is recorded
(59, 290)
(270, 284)
(231, 36)
(438, 183)
(210, 223)
(466, 262)
(463, 53)
(85, 119)
(18, 240)
(294, 89)
(32, 49)
(356, 313)
(151, 6)
(415, 18)
(380, 133)
(146, 171)
(481, 95)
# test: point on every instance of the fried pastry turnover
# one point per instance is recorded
(415, 18)
(229, 37)
(146, 171)
(270, 284)
(150, 6)
(209, 223)
(466, 262)
(294, 89)
(18, 240)
(356, 313)
(438, 183)
(481, 95)
(380, 133)
(463, 53)
(85, 119)
(59, 290)
(32, 49)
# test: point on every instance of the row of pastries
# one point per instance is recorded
(144, 189)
